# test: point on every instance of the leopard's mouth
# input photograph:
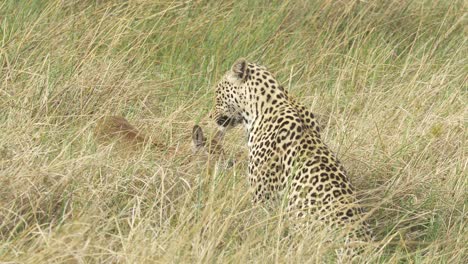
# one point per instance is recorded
(225, 121)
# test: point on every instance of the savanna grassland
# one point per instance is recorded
(387, 79)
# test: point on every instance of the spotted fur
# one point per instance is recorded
(286, 152)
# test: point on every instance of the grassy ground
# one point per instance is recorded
(387, 78)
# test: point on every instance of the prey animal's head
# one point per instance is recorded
(212, 148)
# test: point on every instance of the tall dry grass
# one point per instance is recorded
(387, 78)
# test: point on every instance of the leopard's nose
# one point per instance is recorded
(230, 163)
(211, 114)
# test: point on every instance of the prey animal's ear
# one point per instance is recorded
(198, 138)
(239, 68)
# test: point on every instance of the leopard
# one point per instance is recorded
(286, 154)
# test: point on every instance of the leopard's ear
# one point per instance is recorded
(198, 138)
(239, 68)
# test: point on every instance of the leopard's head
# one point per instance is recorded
(244, 92)
(230, 96)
